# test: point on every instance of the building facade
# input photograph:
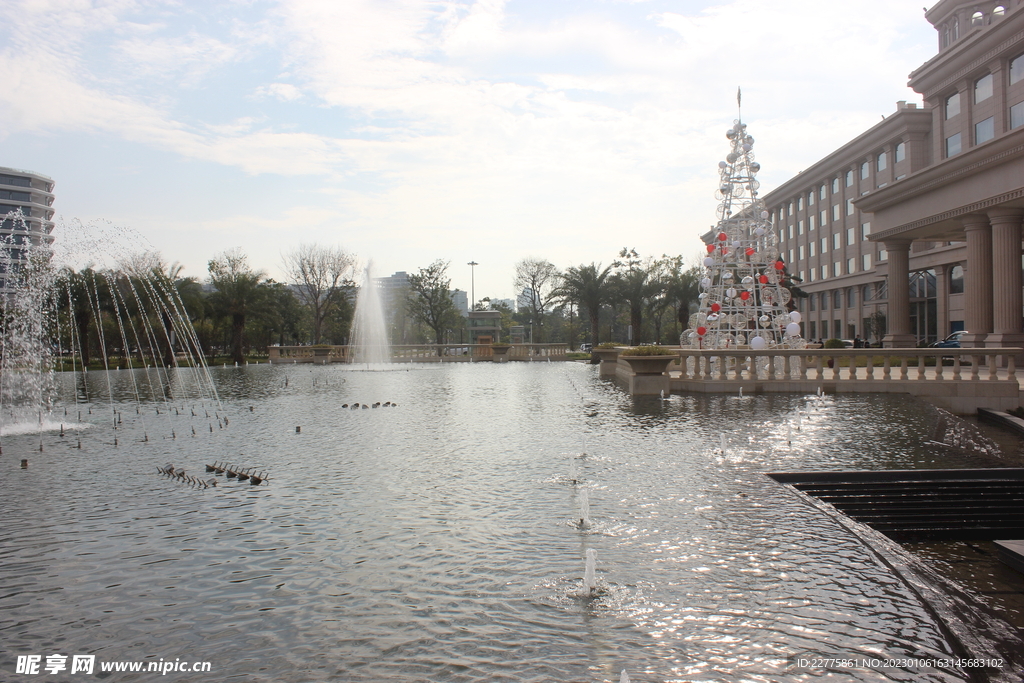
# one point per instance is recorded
(32, 195)
(912, 230)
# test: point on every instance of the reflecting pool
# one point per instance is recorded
(439, 539)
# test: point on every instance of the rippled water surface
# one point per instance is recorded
(438, 540)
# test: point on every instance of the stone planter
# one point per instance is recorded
(321, 355)
(500, 353)
(646, 374)
(608, 358)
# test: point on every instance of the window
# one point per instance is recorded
(791, 208)
(837, 301)
(984, 130)
(880, 162)
(813, 274)
(823, 192)
(810, 248)
(1017, 69)
(851, 236)
(983, 88)
(952, 106)
(802, 276)
(864, 171)
(945, 36)
(851, 268)
(865, 262)
(824, 301)
(977, 19)
(823, 218)
(800, 252)
(849, 178)
(812, 329)
(824, 272)
(799, 227)
(810, 223)
(835, 212)
(998, 13)
(956, 29)
(835, 186)
(865, 230)
(810, 199)
(837, 241)
(851, 297)
(865, 293)
(812, 303)
(790, 259)
(849, 207)
(900, 153)
(953, 145)
(837, 269)
(956, 280)
(882, 255)
(789, 230)
(1017, 115)
(824, 244)
(800, 203)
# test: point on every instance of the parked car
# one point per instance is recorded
(950, 342)
(585, 348)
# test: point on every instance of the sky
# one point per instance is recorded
(407, 131)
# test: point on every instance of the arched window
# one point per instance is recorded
(900, 153)
(977, 19)
(998, 13)
(880, 162)
(956, 30)
(864, 171)
(945, 36)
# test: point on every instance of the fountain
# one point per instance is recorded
(369, 330)
(590, 574)
(382, 526)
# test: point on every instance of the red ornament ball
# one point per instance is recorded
(711, 248)
(763, 279)
(779, 265)
(750, 251)
(722, 237)
(744, 295)
(702, 331)
(716, 307)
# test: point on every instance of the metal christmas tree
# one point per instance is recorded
(742, 298)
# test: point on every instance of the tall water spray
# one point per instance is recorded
(369, 332)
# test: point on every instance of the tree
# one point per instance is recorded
(635, 283)
(430, 302)
(540, 278)
(682, 288)
(589, 287)
(240, 290)
(319, 274)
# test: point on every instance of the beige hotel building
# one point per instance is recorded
(913, 229)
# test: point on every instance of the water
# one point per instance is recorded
(369, 331)
(434, 541)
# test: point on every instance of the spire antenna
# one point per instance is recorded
(739, 104)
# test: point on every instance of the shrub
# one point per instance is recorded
(834, 344)
(649, 351)
(608, 345)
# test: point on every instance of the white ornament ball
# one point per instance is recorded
(764, 214)
(706, 282)
(731, 292)
(795, 316)
(758, 231)
(747, 147)
(758, 343)
(708, 261)
(793, 329)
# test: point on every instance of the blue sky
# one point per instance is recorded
(407, 131)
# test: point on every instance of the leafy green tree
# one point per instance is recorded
(681, 289)
(635, 283)
(589, 287)
(238, 292)
(429, 300)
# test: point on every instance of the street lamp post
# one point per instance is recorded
(472, 291)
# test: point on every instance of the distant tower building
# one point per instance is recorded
(461, 301)
(32, 194)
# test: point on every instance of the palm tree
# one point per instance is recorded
(588, 287)
(635, 283)
(239, 291)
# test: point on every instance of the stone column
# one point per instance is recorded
(899, 295)
(942, 300)
(1007, 325)
(978, 280)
